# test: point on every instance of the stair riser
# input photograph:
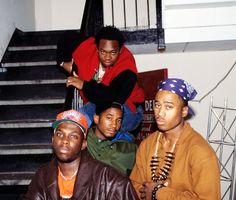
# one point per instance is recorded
(29, 56)
(16, 92)
(36, 38)
(6, 192)
(25, 136)
(30, 112)
(34, 73)
(17, 163)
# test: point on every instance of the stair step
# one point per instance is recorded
(27, 48)
(26, 123)
(16, 178)
(7, 194)
(35, 38)
(16, 149)
(45, 111)
(23, 162)
(26, 135)
(32, 82)
(46, 72)
(29, 56)
(36, 63)
(47, 89)
(32, 102)
(32, 92)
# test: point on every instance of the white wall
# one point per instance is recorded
(6, 24)
(14, 14)
(199, 20)
(58, 14)
(37, 15)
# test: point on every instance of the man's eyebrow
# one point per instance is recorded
(116, 50)
(109, 114)
(166, 101)
(171, 102)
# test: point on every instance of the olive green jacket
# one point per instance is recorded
(119, 154)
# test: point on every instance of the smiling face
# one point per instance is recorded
(108, 123)
(170, 111)
(108, 52)
(68, 141)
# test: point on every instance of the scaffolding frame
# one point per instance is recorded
(221, 134)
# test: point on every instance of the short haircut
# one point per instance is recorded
(110, 33)
(101, 107)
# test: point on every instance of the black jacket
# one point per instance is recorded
(95, 181)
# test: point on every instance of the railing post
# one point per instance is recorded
(92, 19)
(160, 31)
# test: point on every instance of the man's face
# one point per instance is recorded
(169, 111)
(68, 141)
(108, 123)
(108, 52)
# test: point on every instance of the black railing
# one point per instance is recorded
(93, 20)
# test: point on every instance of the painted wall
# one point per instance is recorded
(58, 14)
(37, 15)
(14, 14)
(199, 20)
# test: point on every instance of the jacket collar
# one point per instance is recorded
(82, 179)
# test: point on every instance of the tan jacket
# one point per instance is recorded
(194, 175)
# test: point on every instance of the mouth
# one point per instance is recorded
(108, 63)
(160, 121)
(64, 150)
(111, 132)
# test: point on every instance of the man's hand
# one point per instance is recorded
(75, 80)
(147, 188)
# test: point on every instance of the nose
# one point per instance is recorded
(65, 140)
(114, 124)
(161, 112)
(108, 55)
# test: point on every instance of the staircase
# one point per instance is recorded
(32, 92)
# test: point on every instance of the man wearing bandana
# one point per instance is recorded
(175, 162)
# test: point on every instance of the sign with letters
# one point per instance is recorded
(149, 81)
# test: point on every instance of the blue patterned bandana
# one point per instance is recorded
(179, 87)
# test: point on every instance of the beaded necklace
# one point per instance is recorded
(163, 172)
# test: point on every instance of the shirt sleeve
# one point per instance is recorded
(119, 89)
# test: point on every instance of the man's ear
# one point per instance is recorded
(96, 119)
(185, 111)
(84, 144)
